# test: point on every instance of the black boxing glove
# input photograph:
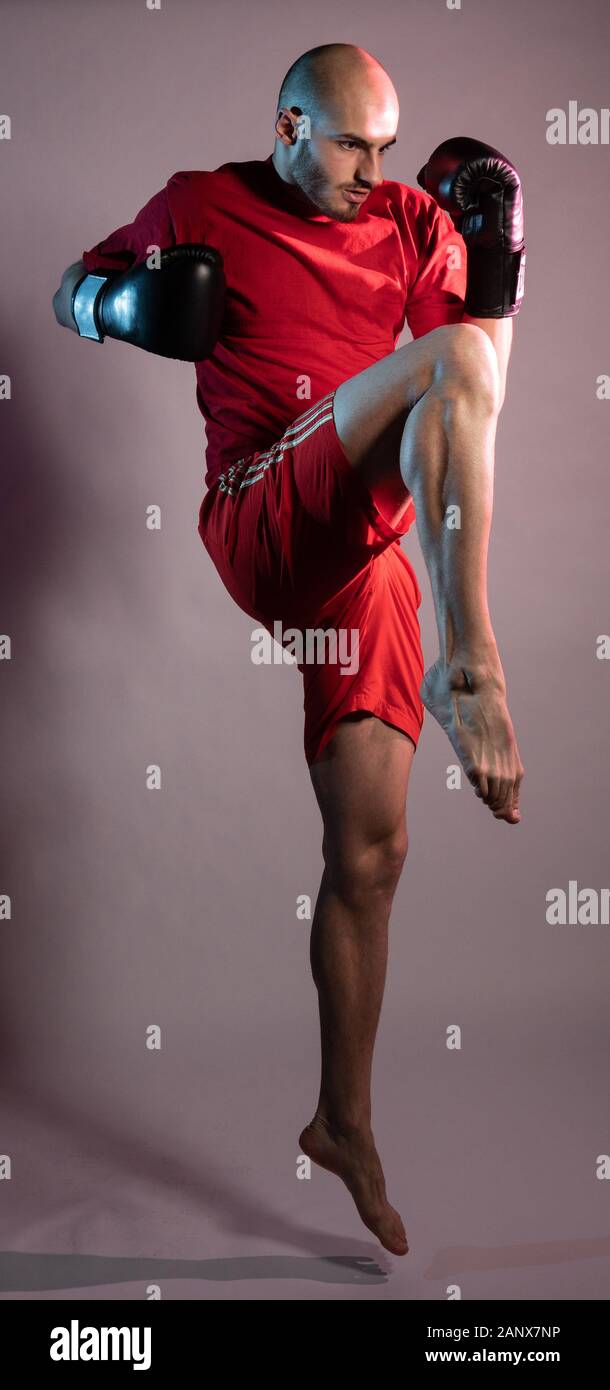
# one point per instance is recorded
(174, 311)
(481, 191)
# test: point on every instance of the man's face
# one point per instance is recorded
(338, 162)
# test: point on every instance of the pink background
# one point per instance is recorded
(133, 908)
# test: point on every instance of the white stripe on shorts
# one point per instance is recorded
(297, 432)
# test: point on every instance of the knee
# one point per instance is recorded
(466, 363)
(367, 872)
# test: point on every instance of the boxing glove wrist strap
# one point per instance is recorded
(495, 283)
(85, 299)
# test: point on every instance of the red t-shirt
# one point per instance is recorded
(310, 301)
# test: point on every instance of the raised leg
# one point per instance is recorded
(361, 786)
(422, 421)
(447, 463)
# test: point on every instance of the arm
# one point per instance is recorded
(118, 251)
(481, 191)
(173, 308)
(139, 286)
(501, 333)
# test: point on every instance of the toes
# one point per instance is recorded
(508, 808)
(479, 782)
(496, 791)
(501, 801)
(501, 794)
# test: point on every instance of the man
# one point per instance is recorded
(305, 508)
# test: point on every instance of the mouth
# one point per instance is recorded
(355, 195)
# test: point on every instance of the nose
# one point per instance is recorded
(369, 168)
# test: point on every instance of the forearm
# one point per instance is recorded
(501, 333)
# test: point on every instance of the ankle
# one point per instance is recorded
(342, 1126)
(471, 670)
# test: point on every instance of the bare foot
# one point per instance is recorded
(470, 705)
(354, 1158)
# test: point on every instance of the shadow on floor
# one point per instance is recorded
(22, 1272)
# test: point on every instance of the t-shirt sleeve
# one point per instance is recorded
(436, 295)
(128, 245)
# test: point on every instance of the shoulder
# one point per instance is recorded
(191, 189)
(423, 226)
(412, 204)
(188, 181)
(197, 181)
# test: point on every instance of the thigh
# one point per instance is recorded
(362, 728)
(376, 663)
(361, 783)
(371, 409)
(290, 527)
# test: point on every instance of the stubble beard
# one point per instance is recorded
(313, 183)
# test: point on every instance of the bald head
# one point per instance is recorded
(320, 77)
(337, 115)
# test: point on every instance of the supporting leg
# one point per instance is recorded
(361, 786)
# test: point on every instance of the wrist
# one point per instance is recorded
(494, 282)
(85, 303)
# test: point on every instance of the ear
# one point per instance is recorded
(286, 126)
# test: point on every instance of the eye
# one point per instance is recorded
(351, 145)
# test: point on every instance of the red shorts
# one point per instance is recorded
(298, 540)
